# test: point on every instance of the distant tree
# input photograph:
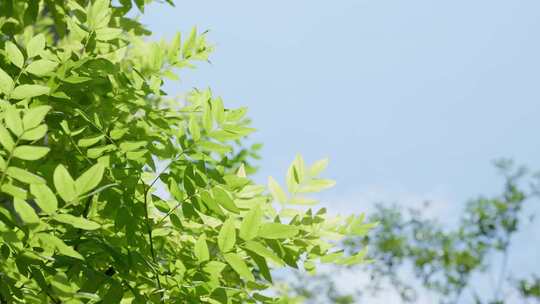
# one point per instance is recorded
(112, 191)
(412, 254)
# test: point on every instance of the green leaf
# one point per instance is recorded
(64, 184)
(13, 121)
(114, 294)
(30, 152)
(49, 239)
(190, 43)
(89, 179)
(266, 253)
(316, 185)
(99, 14)
(106, 34)
(35, 116)
(194, 128)
(214, 147)
(77, 222)
(14, 54)
(98, 151)
(45, 198)
(89, 141)
(24, 176)
(217, 111)
(295, 174)
(14, 191)
(277, 231)
(29, 90)
(5, 139)
(201, 249)
(35, 46)
(223, 197)
(227, 236)
(318, 167)
(6, 83)
(276, 190)
(25, 211)
(35, 133)
(251, 223)
(41, 67)
(238, 265)
(207, 118)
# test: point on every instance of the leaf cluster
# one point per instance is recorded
(113, 191)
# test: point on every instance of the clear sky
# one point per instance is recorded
(410, 100)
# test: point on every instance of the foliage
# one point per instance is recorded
(445, 261)
(114, 192)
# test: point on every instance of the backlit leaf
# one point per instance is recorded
(14, 54)
(30, 152)
(227, 236)
(25, 211)
(45, 198)
(36, 45)
(64, 184)
(77, 222)
(33, 117)
(277, 231)
(238, 265)
(201, 249)
(6, 82)
(224, 199)
(251, 223)
(29, 90)
(41, 67)
(24, 176)
(5, 139)
(89, 179)
(276, 190)
(13, 121)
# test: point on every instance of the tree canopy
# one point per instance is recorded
(112, 191)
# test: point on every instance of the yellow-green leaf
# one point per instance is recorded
(201, 249)
(33, 117)
(35, 133)
(24, 176)
(89, 141)
(41, 67)
(29, 90)
(14, 54)
(276, 190)
(89, 179)
(318, 167)
(238, 265)
(277, 231)
(5, 139)
(227, 236)
(45, 198)
(64, 184)
(25, 211)
(251, 223)
(77, 222)
(6, 82)
(13, 121)
(261, 250)
(30, 152)
(223, 197)
(36, 45)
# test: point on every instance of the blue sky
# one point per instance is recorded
(410, 100)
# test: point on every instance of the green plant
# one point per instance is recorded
(114, 192)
